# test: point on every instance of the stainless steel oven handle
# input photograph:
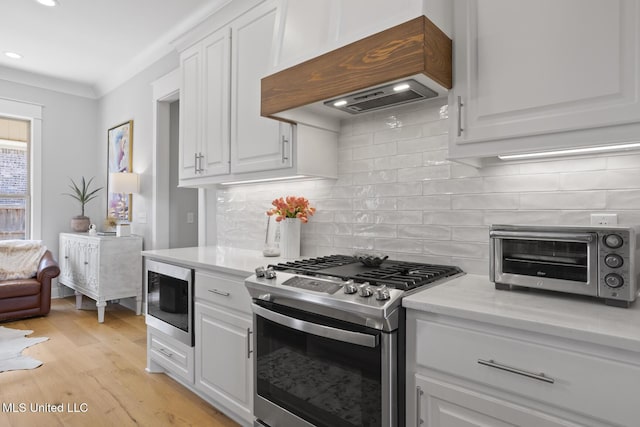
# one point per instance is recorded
(541, 235)
(356, 338)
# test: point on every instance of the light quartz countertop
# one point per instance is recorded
(241, 262)
(474, 297)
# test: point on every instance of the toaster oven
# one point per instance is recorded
(599, 261)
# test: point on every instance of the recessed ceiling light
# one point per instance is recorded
(49, 3)
(13, 55)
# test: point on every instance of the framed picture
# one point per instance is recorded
(120, 143)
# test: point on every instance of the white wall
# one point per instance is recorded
(70, 149)
(396, 193)
(133, 101)
(182, 201)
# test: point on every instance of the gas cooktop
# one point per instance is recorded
(340, 287)
(393, 274)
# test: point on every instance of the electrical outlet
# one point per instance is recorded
(604, 219)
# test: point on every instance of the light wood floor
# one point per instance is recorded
(102, 366)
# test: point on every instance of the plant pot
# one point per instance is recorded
(290, 238)
(80, 223)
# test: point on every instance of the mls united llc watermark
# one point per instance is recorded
(22, 407)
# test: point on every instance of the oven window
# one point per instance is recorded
(550, 259)
(168, 300)
(326, 382)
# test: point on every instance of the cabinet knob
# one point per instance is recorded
(86, 263)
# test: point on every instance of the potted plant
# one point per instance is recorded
(83, 194)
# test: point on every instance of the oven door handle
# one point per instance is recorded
(357, 338)
(549, 236)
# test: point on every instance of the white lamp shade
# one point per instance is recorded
(124, 182)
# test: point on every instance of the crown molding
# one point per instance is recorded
(42, 81)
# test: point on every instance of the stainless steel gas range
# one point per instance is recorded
(329, 340)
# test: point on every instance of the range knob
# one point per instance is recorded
(350, 287)
(365, 290)
(613, 260)
(270, 273)
(260, 272)
(382, 293)
(613, 280)
(613, 241)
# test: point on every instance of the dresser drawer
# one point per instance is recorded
(223, 290)
(171, 354)
(559, 377)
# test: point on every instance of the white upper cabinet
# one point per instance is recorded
(204, 108)
(533, 76)
(257, 143)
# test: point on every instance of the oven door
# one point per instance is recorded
(314, 371)
(169, 305)
(565, 262)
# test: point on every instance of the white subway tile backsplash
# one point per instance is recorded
(424, 203)
(485, 201)
(623, 199)
(397, 194)
(373, 151)
(424, 173)
(397, 134)
(564, 200)
(429, 232)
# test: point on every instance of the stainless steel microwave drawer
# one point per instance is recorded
(559, 377)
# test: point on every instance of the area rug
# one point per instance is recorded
(12, 343)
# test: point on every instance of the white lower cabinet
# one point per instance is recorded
(223, 358)
(442, 404)
(223, 351)
(463, 373)
(165, 353)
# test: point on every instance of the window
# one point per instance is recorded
(14, 178)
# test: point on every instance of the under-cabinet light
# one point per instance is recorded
(571, 151)
(340, 103)
(50, 3)
(251, 181)
(13, 55)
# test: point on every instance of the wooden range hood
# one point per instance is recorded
(416, 48)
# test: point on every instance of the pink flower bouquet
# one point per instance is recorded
(291, 207)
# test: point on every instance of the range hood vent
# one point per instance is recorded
(383, 97)
(364, 74)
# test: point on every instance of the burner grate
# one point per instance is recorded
(406, 276)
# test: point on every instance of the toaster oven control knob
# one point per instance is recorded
(350, 287)
(613, 280)
(613, 241)
(365, 291)
(613, 261)
(382, 293)
(270, 273)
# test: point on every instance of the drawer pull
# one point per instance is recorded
(419, 393)
(539, 377)
(249, 351)
(215, 291)
(165, 352)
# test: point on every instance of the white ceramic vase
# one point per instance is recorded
(290, 238)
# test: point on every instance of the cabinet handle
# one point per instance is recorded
(200, 157)
(284, 153)
(249, 351)
(66, 257)
(165, 352)
(460, 105)
(195, 163)
(540, 377)
(215, 291)
(86, 263)
(419, 394)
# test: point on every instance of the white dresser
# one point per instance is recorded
(103, 268)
